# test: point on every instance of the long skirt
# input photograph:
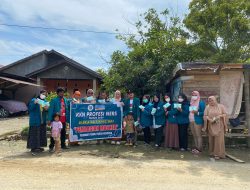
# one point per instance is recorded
(33, 141)
(196, 132)
(217, 145)
(171, 136)
(43, 135)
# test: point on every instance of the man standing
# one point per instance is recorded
(132, 106)
(59, 105)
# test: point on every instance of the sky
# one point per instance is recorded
(89, 49)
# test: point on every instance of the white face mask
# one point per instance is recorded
(194, 97)
(42, 96)
(180, 99)
(90, 98)
(102, 101)
(167, 99)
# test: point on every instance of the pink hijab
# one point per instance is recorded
(194, 103)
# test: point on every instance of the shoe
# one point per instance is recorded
(41, 149)
(156, 145)
(118, 142)
(112, 142)
(51, 150)
(126, 144)
(65, 147)
(33, 153)
(182, 149)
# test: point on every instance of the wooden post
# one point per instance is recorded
(247, 101)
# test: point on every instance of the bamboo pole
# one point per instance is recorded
(247, 102)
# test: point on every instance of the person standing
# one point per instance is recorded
(76, 99)
(90, 98)
(59, 105)
(37, 137)
(56, 126)
(119, 101)
(159, 119)
(216, 126)
(132, 107)
(183, 121)
(197, 107)
(102, 98)
(146, 119)
(171, 132)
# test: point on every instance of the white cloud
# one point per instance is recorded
(87, 48)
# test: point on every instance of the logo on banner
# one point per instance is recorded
(90, 107)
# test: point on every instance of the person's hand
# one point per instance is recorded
(49, 123)
(46, 107)
(203, 129)
(166, 113)
(142, 109)
(194, 112)
(179, 109)
(165, 109)
(36, 101)
(122, 104)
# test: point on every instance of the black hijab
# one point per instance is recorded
(185, 100)
(156, 103)
(148, 98)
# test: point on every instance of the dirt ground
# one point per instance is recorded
(110, 167)
(13, 124)
(107, 166)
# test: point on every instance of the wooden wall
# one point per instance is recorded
(207, 85)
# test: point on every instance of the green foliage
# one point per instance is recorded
(25, 131)
(52, 95)
(218, 31)
(221, 29)
(160, 43)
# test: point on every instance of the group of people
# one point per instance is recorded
(169, 119)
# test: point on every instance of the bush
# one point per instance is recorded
(52, 95)
(25, 132)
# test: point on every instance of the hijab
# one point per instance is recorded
(148, 98)
(156, 103)
(194, 103)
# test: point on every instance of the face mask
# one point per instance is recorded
(90, 98)
(145, 101)
(167, 99)
(180, 99)
(194, 98)
(42, 96)
(101, 101)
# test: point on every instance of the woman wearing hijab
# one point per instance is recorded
(216, 126)
(119, 101)
(38, 112)
(159, 119)
(146, 119)
(197, 107)
(171, 132)
(183, 121)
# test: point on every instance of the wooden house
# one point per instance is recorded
(228, 82)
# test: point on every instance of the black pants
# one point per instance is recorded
(63, 138)
(183, 135)
(158, 135)
(147, 135)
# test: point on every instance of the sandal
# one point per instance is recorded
(216, 157)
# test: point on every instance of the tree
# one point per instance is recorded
(220, 29)
(160, 43)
